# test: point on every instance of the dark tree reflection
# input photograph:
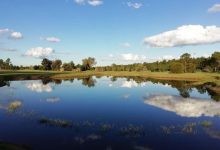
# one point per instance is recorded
(89, 82)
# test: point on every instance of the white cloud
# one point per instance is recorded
(126, 45)
(80, 1)
(215, 8)
(185, 35)
(16, 35)
(53, 39)
(11, 34)
(167, 57)
(134, 5)
(95, 2)
(39, 87)
(39, 52)
(3, 31)
(133, 57)
(90, 2)
(189, 107)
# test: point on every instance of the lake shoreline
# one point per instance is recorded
(198, 78)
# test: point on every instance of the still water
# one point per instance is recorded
(108, 114)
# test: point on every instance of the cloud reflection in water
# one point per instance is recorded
(190, 107)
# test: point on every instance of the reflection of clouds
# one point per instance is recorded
(132, 84)
(129, 84)
(185, 107)
(38, 86)
(52, 99)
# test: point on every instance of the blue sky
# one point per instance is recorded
(112, 31)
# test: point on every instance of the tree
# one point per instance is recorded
(176, 67)
(72, 65)
(46, 63)
(88, 63)
(185, 59)
(56, 65)
(215, 61)
(69, 66)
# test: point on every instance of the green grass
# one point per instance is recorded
(199, 77)
(27, 72)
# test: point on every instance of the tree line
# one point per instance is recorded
(55, 65)
(185, 64)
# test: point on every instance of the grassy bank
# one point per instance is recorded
(27, 72)
(198, 78)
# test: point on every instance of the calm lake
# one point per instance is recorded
(108, 114)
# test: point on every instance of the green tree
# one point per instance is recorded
(46, 63)
(56, 65)
(176, 67)
(67, 67)
(88, 63)
(215, 61)
(185, 59)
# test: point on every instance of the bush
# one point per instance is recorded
(176, 67)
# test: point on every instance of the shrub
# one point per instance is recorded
(176, 67)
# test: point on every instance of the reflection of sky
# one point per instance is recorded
(190, 107)
(38, 86)
(100, 104)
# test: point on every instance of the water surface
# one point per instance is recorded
(108, 114)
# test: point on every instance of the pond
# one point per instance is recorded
(107, 113)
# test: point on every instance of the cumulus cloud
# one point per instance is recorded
(52, 39)
(11, 34)
(39, 87)
(215, 8)
(133, 57)
(39, 52)
(134, 5)
(90, 2)
(189, 107)
(16, 35)
(185, 35)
